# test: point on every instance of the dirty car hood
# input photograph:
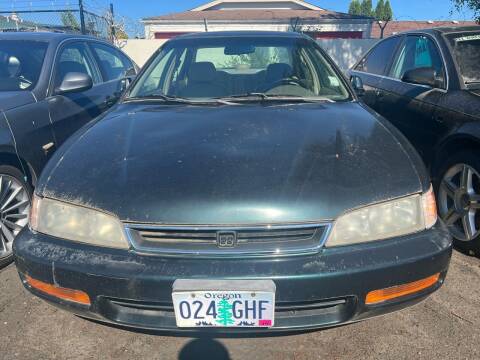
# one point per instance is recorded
(232, 164)
(13, 99)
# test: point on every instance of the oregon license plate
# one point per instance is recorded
(198, 306)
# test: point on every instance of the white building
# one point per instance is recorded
(268, 15)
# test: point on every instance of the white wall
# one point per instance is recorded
(140, 50)
(345, 52)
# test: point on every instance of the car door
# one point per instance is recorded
(410, 107)
(114, 66)
(27, 119)
(69, 112)
(372, 68)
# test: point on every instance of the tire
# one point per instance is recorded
(458, 198)
(15, 200)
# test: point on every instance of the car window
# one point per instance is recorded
(466, 50)
(244, 63)
(74, 58)
(417, 52)
(377, 60)
(112, 63)
(20, 64)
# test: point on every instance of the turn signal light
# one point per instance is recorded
(379, 296)
(76, 296)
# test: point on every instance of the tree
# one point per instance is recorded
(383, 15)
(474, 5)
(355, 8)
(367, 8)
(225, 313)
(69, 21)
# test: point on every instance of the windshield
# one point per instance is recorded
(20, 64)
(466, 49)
(222, 67)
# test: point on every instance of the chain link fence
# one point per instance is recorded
(68, 16)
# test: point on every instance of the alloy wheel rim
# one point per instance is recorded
(459, 201)
(14, 209)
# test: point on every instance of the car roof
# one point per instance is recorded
(42, 36)
(227, 34)
(443, 30)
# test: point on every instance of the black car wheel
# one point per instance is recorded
(458, 197)
(15, 198)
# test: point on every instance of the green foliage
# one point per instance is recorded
(367, 8)
(473, 5)
(225, 313)
(383, 11)
(388, 12)
(355, 8)
(259, 59)
(69, 20)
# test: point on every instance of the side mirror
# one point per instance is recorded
(74, 82)
(130, 75)
(422, 76)
(357, 85)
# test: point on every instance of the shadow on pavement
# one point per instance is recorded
(198, 348)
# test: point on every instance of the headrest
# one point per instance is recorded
(202, 72)
(278, 71)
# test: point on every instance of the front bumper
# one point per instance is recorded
(313, 291)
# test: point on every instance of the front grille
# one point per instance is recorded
(227, 240)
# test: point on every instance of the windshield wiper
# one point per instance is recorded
(176, 99)
(255, 96)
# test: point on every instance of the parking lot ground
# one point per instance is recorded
(445, 326)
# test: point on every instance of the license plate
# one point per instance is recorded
(207, 304)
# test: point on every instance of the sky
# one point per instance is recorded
(402, 9)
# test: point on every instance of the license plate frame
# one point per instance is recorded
(224, 303)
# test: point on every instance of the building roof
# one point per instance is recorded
(250, 14)
(395, 27)
(216, 3)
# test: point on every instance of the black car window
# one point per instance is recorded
(417, 52)
(112, 63)
(377, 60)
(74, 57)
(20, 64)
(466, 50)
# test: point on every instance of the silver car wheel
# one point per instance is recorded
(459, 201)
(14, 209)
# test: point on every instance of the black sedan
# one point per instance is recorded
(427, 84)
(50, 86)
(238, 186)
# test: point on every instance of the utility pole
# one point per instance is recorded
(82, 17)
(112, 24)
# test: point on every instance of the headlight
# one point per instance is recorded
(385, 220)
(76, 223)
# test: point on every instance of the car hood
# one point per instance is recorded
(13, 99)
(232, 164)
